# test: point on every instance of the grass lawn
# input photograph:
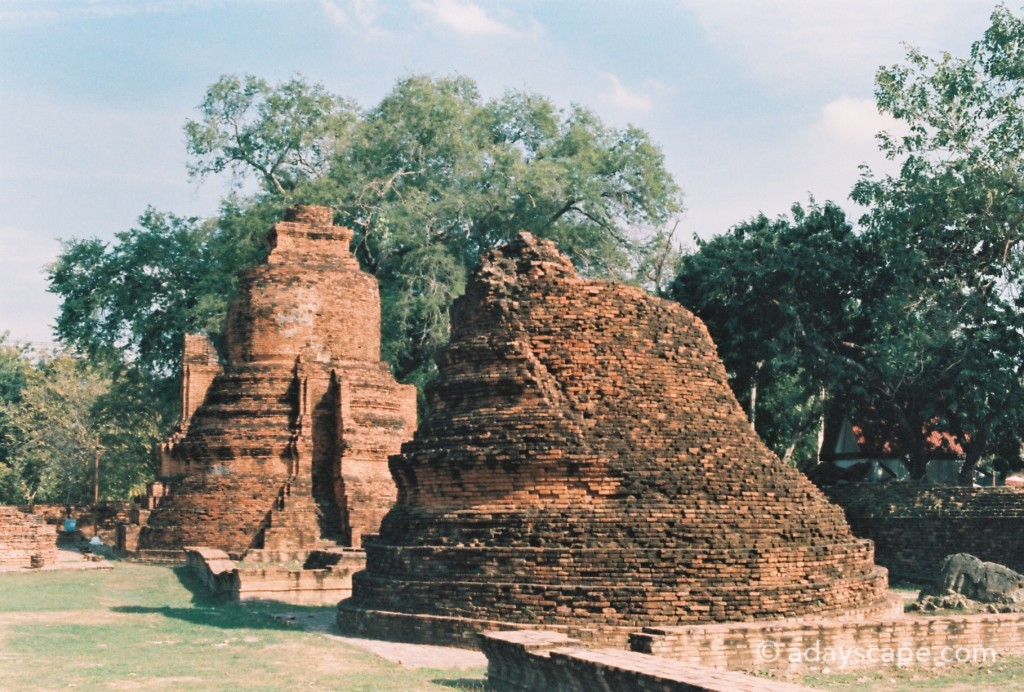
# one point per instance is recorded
(142, 626)
(1007, 674)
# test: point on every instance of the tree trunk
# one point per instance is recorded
(973, 453)
(917, 463)
(753, 394)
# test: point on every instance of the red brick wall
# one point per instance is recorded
(797, 647)
(916, 525)
(530, 661)
(26, 540)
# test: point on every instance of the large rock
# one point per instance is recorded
(586, 466)
(974, 579)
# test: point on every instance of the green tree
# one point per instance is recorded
(15, 367)
(67, 413)
(434, 176)
(57, 436)
(777, 294)
(918, 318)
(129, 302)
(428, 179)
(950, 224)
(286, 134)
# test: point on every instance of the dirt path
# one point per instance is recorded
(405, 655)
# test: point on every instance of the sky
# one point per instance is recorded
(756, 104)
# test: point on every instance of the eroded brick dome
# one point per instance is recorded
(585, 464)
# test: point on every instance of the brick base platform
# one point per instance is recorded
(543, 660)
(422, 628)
(836, 645)
(274, 582)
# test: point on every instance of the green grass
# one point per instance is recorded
(1006, 674)
(140, 626)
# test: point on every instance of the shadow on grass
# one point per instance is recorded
(462, 683)
(223, 617)
(217, 610)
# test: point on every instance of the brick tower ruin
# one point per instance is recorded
(286, 446)
(586, 467)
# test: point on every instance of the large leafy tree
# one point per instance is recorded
(918, 318)
(948, 231)
(15, 369)
(129, 302)
(285, 134)
(434, 176)
(66, 414)
(428, 179)
(775, 294)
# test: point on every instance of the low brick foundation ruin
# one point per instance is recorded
(915, 525)
(26, 540)
(550, 661)
(840, 645)
(585, 467)
(285, 447)
(320, 578)
(711, 657)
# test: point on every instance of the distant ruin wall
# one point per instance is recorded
(26, 540)
(914, 525)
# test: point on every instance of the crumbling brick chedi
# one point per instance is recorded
(585, 466)
(286, 447)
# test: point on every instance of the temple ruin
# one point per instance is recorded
(283, 449)
(586, 468)
(26, 540)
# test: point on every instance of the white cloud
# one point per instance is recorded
(360, 16)
(466, 18)
(795, 41)
(625, 99)
(853, 120)
(48, 11)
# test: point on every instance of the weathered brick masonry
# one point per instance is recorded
(550, 661)
(288, 444)
(26, 540)
(840, 645)
(585, 467)
(916, 525)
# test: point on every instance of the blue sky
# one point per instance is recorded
(755, 103)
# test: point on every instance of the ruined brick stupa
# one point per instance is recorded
(586, 466)
(287, 446)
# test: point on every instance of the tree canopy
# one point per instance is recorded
(918, 315)
(774, 294)
(428, 179)
(57, 413)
